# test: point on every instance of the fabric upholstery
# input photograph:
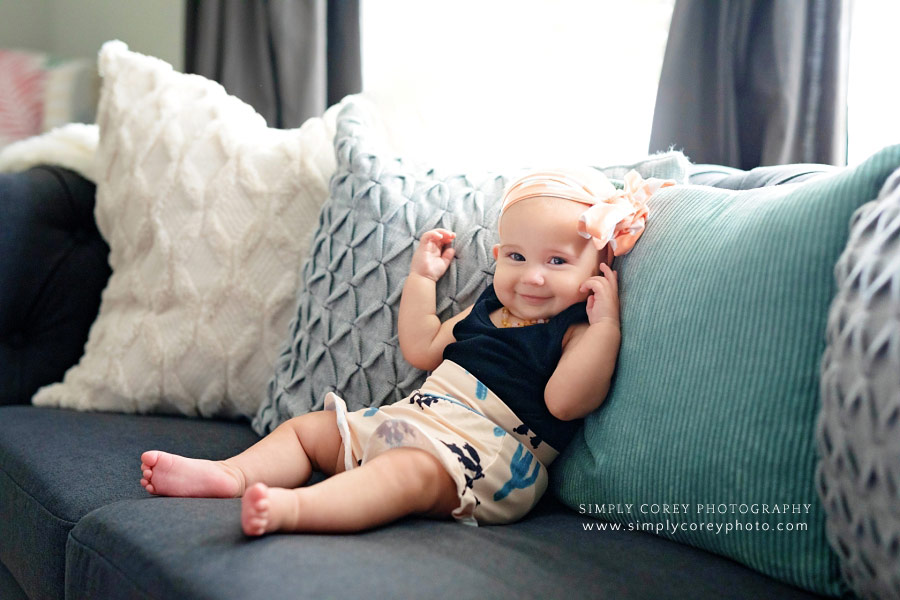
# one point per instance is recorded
(52, 270)
(9, 588)
(715, 396)
(344, 337)
(57, 466)
(208, 214)
(191, 549)
(859, 427)
(735, 179)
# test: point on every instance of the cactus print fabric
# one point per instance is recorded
(498, 465)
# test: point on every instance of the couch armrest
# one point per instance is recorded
(53, 268)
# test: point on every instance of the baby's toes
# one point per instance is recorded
(256, 526)
(149, 458)
(261, 505)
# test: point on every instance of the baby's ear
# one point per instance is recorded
(496, 251)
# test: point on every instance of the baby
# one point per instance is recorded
(512, 376)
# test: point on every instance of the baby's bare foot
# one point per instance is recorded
(255, 510)
(265, 509)
(167, 474)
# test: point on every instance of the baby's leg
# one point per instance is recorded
(400, 482)
(284, 458)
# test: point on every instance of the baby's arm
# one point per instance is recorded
(581, 380)
(422, 335)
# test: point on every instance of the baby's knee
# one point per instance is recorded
(426, 482)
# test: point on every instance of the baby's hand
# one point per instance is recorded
(603, 303)
(432, 258)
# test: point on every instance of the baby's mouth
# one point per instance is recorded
(533, 299)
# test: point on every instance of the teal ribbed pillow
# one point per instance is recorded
(716, 393)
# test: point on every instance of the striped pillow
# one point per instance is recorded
(21, 95)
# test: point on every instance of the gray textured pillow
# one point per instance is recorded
(344, 335)
(859, 427)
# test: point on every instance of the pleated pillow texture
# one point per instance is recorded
(344, 335)
(859, 427)
(208, 214)
(708, 434)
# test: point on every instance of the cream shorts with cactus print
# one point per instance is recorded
(498, 464)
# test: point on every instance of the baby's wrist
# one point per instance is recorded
(417, 275)
(604, 322)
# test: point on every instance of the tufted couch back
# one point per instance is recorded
(52, 270)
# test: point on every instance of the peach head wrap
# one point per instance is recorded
(613, 216)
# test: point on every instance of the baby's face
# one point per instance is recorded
(541, 259)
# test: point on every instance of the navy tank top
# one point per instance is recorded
(516, 362)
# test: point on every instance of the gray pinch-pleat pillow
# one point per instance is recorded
(343, 338)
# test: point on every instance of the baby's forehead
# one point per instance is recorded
(543, 210)
(553, 227)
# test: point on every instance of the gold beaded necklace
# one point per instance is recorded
(505, 322)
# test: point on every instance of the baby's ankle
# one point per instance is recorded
(238, 475)
(296, 511)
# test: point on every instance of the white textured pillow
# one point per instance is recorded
(208, 214)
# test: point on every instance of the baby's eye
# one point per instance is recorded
(556, 260)
(516, 256)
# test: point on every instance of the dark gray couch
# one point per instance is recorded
(75, 523)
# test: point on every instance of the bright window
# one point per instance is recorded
(873, 119)
(513, 83)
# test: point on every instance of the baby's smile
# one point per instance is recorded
(532, 299)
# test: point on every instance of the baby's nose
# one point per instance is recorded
(534, 276)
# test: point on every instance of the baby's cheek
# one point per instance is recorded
(582, 296)
(502, 292)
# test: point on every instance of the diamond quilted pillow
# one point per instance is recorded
(208, 214)
(344, 336)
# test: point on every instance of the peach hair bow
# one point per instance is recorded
(614, 217)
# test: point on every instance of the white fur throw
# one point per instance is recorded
(208, 214)
(72, 146)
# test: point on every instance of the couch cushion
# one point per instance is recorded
(715, 396)
(52, 270)
(9, 587)
(57, 465)
(194, 548)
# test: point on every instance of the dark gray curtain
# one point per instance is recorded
(755, 82)
(289, 59)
